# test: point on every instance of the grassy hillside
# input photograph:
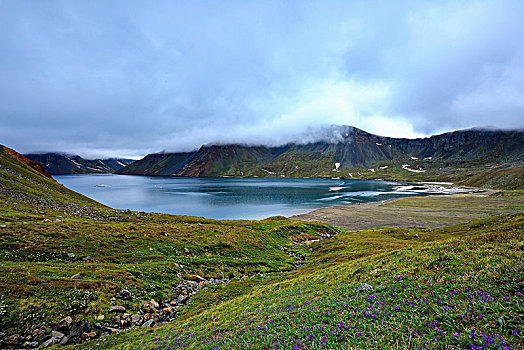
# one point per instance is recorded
(275, 283)
(62, 254)
(456, 287)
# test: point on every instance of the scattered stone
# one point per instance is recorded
(79, 328)
(76, 276)
(148, 323)
(89, 335)
(46, 220)
(124, 295)
(200, 278)
(3, 226)
(416, 235)
(33, 344)
(71, 255)
(167, 310)
(58, 220)
(100, 317)
(364, 287)
(58, 335)
(186, 250)
(117, 309)
(64, 341)
(154, 304)
(64, 324)
(135, 318)
(86, 258)
(50, 342)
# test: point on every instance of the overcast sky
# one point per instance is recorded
(127, 78)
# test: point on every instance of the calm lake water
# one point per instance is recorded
(230, 198)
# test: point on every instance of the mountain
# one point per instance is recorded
(351, 152)
(58, 163)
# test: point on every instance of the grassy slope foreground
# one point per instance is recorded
(459, 287)
(455, 287)
(62, 254)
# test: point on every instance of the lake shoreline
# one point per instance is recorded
(410, 212)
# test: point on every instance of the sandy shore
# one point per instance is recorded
(429, 211)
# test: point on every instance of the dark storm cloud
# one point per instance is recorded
(126, 78)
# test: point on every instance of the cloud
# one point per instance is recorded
(125, 78)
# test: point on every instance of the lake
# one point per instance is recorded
(235, 198)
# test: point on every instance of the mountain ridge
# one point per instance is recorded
(62, 163)
(352, 154)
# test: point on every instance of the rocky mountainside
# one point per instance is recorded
(349, 152)
(57, 163)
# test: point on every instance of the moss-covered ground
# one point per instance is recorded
(452, 287)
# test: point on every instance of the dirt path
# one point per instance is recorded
(430, 211)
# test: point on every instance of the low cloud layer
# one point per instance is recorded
(126, 78)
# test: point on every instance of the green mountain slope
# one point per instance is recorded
(350, 153)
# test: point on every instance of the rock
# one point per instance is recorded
(3, 226)
(58, 220)
(33, 344)
(149, 323)
(147, 316)
(186, 250)
(76, 276)
(46, 220)
(154, 304)
(135, 318)
(200, 278)
(79, 328)
(50, 342)
(124, 294)
(100, 317)
(89, 335)
(64, 324)
(71, 255)
(86, 258)
(364, 287)
(415, 236)
(125, 316)
(58, 335)
(182, 299)
(167, 310)
(64, 341)
(117, 309)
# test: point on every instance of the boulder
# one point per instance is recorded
(149, 323)
(79, 328)
(64, 324)
(117, 308)
(50, 342)
(135, 318)
(364, 287)
(58, 335)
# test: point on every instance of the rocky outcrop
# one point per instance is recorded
(150, 313)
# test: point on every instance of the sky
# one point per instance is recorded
(127, 78)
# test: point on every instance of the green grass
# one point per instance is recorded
(453, 287)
